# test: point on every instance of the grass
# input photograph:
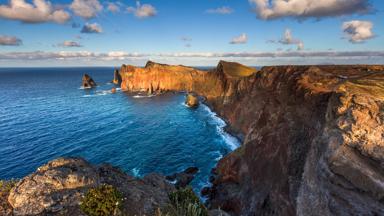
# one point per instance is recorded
(237, 70)
(104, 200)
(184, 202)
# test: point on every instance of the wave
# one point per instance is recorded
(136, 172)
(232, 142)
(101, 93)
(143, 96)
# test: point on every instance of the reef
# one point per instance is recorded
(313, 136)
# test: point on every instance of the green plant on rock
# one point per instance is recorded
(104, 200)
(7, 185)
(184, 202)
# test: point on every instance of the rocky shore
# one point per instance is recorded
(313, 144)
(312, 135)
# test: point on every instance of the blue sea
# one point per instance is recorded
(44, 114)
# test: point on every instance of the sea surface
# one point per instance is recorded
(45, 114)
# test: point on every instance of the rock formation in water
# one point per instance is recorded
(87, 82)
(116, 77)
(57, 188)
(191, 100)
(313, 136)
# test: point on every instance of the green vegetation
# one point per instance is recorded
(237, 70)
(184, 202)
(104, 200)
(7, 185)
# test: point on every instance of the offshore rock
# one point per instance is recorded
(57, 188)
(116, 77)
(182, 179)
(88, 82)
(191, 100)
(312, 135)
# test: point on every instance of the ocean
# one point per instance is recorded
(45, 114)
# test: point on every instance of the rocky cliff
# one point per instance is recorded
(313, 136)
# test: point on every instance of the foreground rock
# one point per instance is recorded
(312, 135)
(57, 188)
(88, 82)
(191, 100)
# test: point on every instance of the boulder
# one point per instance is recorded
(57, 188)
(182, 179)
(113, 90)
(88, 82)
(191, 100)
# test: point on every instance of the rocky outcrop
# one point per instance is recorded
(58, 187)
(87, 82)
(312, 135)
(191, 100)
(116, 77)
(183, 179)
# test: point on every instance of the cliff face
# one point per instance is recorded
(313, 135)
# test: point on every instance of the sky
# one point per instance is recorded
(190, 32)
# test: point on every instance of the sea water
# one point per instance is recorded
(45, 114)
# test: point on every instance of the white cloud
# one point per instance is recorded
(91, 28)
(142, 11)
(113, 7)
(121, 55)
(36, 12)
(220, 10)
(358, 31)
(288, 39)
(70, 44)
(272, 9)
(86, 8)
(241, 39)
(10, 41)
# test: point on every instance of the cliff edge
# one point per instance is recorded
(312, 135)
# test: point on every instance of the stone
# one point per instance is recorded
(182, 179)
(113, 90)
(191, 101)
(58, 187)
(87, 82)
(116, 77)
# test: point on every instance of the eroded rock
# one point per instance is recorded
(87, 82)
(191, 100)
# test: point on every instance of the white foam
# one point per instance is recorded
(232, 142)
(143, 96)
(136, 172)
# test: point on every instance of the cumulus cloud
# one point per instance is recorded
(10, 41)
(36, 12)
(186, 38)
(91, 28)
(272, 9)
(357, 31)
(142, 11)
(220, 10)
(241, 39)
(113, 7)
(86, 8)
(69, 44)
(288, 39)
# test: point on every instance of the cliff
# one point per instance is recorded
(312, 135)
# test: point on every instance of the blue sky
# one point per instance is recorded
(191, 32)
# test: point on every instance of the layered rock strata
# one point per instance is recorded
(313, 136)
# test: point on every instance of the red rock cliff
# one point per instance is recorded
(313, 135)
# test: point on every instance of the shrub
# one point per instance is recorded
(184, 202)
(7, 185)
(104, 200)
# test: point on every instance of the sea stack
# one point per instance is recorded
(116, 77)
(88, 82)
(191, 100)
